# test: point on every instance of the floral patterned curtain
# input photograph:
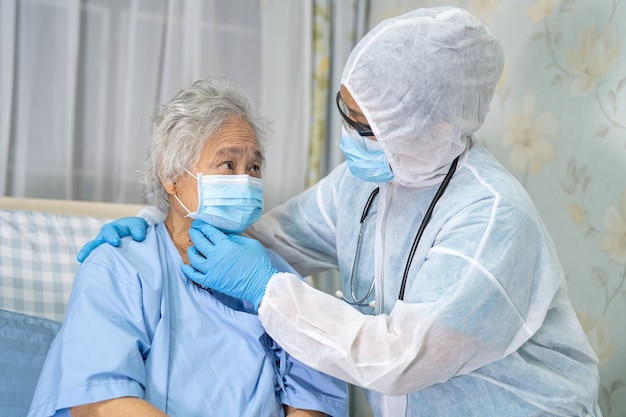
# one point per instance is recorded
(336, 28)
(558, 122)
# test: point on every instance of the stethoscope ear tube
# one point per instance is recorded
(425, 221)
(366, 209)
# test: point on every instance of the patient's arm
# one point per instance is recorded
(120, 407)
(296, 412)
(136, 407)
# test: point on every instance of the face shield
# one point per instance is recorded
(424, 81)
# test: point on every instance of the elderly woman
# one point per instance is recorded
(137, 330)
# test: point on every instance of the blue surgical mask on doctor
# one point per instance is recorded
(365, 157)
(230, 203)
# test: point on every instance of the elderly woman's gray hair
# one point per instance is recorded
(181, 130)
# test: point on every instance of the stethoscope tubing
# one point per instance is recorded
(424, 223)
(366, 210)
(416, 240)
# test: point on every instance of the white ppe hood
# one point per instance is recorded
(424, 81)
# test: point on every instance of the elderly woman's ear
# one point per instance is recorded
(170, 186)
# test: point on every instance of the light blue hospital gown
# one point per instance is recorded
(136, 326)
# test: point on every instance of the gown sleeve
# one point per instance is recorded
(99, 352)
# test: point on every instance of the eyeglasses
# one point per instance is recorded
(361, 128)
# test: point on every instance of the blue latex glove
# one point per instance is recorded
(113, 232)
(231, 264)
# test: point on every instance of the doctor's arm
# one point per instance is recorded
(409, 349)
(468, 323)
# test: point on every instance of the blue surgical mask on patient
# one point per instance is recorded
(365, 157)
(230, 203)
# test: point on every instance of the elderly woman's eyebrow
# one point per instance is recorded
(237, 151)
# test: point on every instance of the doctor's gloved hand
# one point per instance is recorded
(231, 264)
(112, 233)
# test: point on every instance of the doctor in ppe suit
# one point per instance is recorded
(454, 302)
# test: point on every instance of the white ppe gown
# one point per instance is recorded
(486, 327)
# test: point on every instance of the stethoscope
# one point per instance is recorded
(361, 301)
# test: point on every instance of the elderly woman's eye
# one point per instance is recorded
(228, 165)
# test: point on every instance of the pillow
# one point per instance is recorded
(38, 259)
(24, 343)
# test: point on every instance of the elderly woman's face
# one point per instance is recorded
(233, 150)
